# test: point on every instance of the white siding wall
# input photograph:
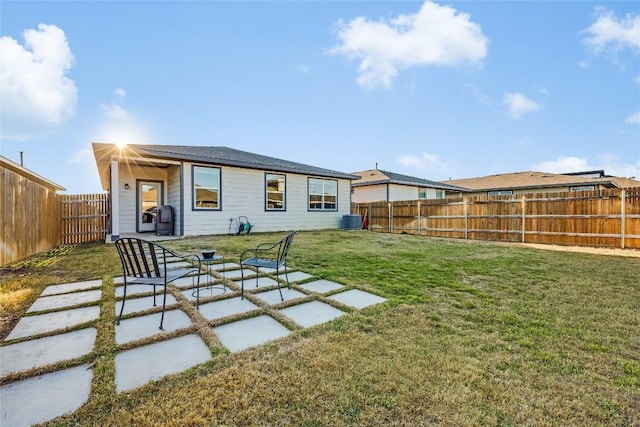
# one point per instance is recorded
(402, 192)
(243, 193)
(173, 196)
(378, 192)
(370, 193)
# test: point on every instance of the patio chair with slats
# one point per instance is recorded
(267, 255)
(149, 263)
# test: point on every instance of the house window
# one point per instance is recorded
(422, 193)
(323, 194)
(275, 186)
(206, 188)
(439, 194)
(500, 193)
(583, 188)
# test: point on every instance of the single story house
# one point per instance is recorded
(210, 189)
(541, 182)
(377, 185)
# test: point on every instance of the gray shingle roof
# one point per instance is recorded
(377, 176)
(231, 157)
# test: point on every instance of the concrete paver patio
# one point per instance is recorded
(43, 397)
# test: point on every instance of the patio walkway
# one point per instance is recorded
(68, 315)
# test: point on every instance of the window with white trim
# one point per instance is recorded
(275, 196)
(206, 188)
(323, 194)
(583, 188)
(500, 193)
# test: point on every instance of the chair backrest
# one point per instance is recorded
(285, 244)
(141, 258)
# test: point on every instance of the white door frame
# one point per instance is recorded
(145, 220)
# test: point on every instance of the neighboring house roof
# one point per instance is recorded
(537, 180)
(21, 170)
(377, 176)
(218, 155)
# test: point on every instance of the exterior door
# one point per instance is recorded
(149, 198)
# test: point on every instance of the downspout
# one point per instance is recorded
(181, 198)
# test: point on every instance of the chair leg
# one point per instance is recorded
(124, 298)
(241, 282)
(164, 304)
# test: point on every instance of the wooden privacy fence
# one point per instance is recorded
(608, 218)
(84, 217)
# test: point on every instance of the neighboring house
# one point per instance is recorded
(208, 188)
(541, 182)
(377, 185)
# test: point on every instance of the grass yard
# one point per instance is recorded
(474, 333)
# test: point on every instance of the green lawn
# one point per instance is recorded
(474, 333)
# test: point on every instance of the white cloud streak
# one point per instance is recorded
(633, 119)
(36, 94)
(425, 161)
(610, 163)
(435, 35)
(518, 105)
(608, 30)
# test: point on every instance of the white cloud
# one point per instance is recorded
(120, 93)
(563, 165)
(609, 30)
(633, 119)
(610, 163)
(435, 35)
(114, 112)
(425, 161)
(36, 94)
(518, 105)
(304, 69)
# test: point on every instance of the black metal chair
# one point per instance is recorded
(267, 255)
(149, 263)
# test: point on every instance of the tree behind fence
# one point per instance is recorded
(606, 218)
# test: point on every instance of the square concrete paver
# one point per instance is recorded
(237, 336)
(321, 286)
(192, 281)
(140, 365)
(45, 397)
(263, 282)
(273, 297)
(137, 290)
(70, 287)
(226, 307)
(65, 300)
(294, 276)
(311, 313)
(140, 327)
(206, 291)
(45, 351)
(225, 266)
(237, 274)
(357, 298)
(43, 323)
(134, 305)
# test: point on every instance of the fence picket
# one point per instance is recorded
(608, 218)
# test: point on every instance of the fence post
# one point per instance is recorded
(466, 219)
(623, 196)
(419, 228)
(369, 218)
(390, 208)
(523, 217)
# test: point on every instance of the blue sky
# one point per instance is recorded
(432, 90)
